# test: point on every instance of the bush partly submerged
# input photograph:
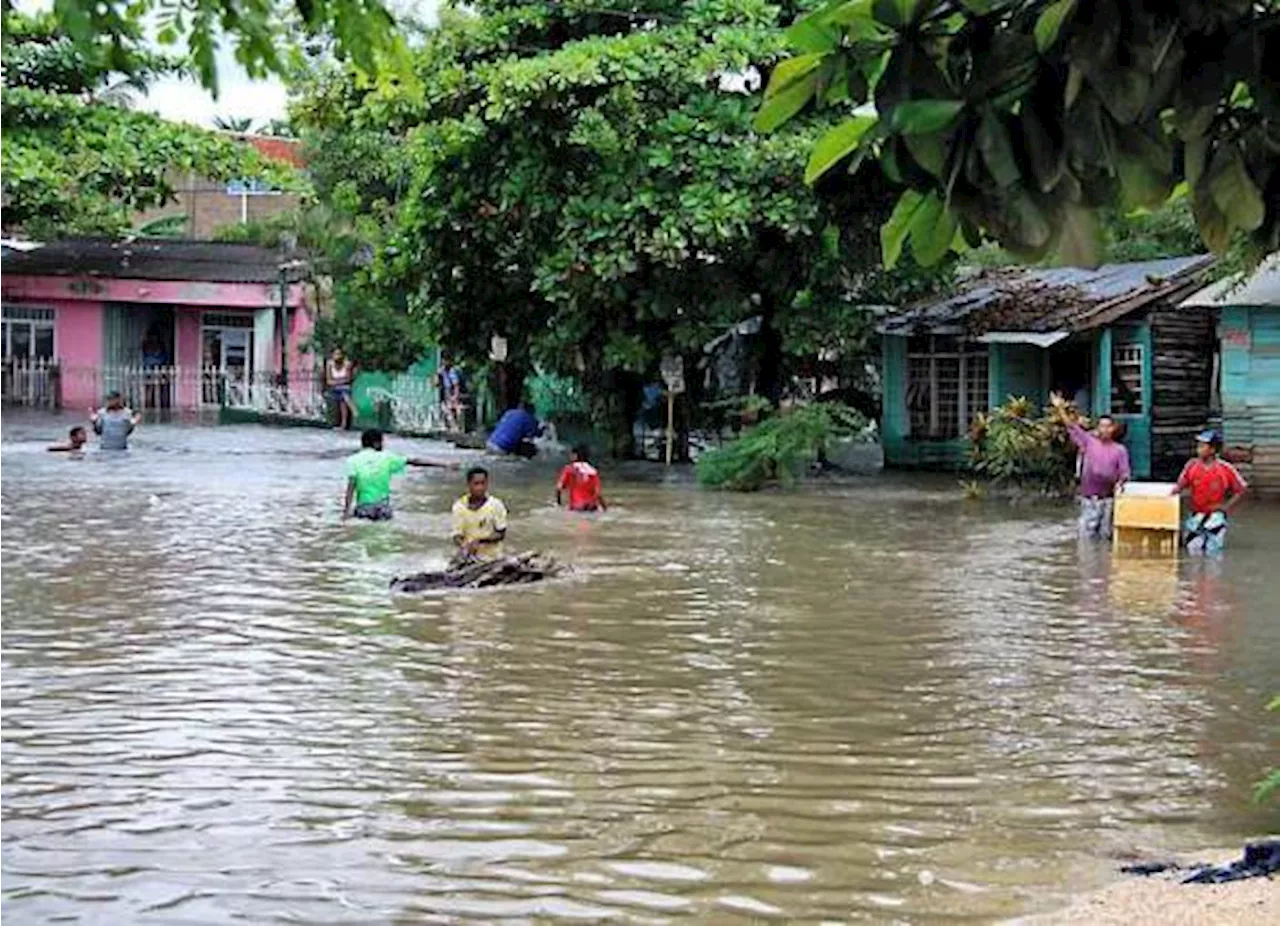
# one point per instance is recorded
(779, 449)
(1014, 449)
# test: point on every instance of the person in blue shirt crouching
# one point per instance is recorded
(515, 431)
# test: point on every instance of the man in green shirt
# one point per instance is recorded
(369, 475)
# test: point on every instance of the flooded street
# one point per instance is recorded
(868, 701)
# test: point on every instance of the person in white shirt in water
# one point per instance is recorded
(114, 423)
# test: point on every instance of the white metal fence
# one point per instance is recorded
(30, 382)
(413, 403)
(410, 404)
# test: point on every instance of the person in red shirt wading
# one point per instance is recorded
(581, 480)
(1215, 486)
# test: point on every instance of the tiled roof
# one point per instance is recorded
(285, 150)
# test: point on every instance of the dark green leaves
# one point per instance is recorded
(360, 31)
(899, 13)
(1233, 191)
(837, 144)
(1050, 21)
(926, 222)
(919, 117)
(791, 85)
(933, 228)
(997, 150)
(1024, 118)
(893, 234)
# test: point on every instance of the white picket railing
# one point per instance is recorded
(303, 397)
(33, 382)
(413, 402)
(415, 405)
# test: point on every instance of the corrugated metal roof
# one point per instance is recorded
(1259, 288)
(148, 259)
(1044, 299)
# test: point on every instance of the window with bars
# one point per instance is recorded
(1126, 379)
(27, 332)
(946, 385)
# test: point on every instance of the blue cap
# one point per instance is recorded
(1208, 436)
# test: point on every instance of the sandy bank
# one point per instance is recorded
(1160, 899)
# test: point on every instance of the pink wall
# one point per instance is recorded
(186, 352)
(301, 361)
(77, 344)
(78, 325)
(169, 292)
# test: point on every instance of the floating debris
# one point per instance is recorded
(521, 569)
(1260, 860)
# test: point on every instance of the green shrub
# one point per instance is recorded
(779, 448)
(1012, 448)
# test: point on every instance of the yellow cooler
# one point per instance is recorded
(1148, 520)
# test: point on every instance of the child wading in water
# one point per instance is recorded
(582, 481)
(76, 439)
(369, 475)
(479, 520)
(1216, 487)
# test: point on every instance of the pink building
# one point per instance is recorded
(172, 321)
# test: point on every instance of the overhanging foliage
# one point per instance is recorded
(1019, 120)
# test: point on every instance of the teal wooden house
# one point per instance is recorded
(1246, 315)
(1116, 339)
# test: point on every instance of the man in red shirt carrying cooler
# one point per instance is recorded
(582, 481)
(1215, 486)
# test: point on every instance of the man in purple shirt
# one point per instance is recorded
(1104, 469)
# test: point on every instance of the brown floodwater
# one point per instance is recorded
(865, 700)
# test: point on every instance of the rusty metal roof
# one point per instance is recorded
(1050, 299)
(147, 259)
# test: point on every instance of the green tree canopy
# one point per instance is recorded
(1020, 120)
(262, 32)
(76, 159)
(587, 183)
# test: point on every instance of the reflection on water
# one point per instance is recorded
(868, 702)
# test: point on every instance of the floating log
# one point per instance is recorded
(521, 569)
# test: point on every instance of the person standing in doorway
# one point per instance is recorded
(1103, 468)
(113, 423)
(479, 520)
(1215, 487)
(582, 481)
(340, 376)
(155, 364)
(369, 475)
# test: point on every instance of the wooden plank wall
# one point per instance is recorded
(1181, 370)
(1251, 390)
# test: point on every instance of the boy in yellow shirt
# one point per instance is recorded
(479, 519)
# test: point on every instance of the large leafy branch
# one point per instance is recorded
(76, 159)
(1020, 120)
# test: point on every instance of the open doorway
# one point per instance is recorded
(138, 352)
(1071, 372)
(226, 346)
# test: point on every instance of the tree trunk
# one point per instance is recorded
(508, 385)
(770, 378)
(617, 406)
